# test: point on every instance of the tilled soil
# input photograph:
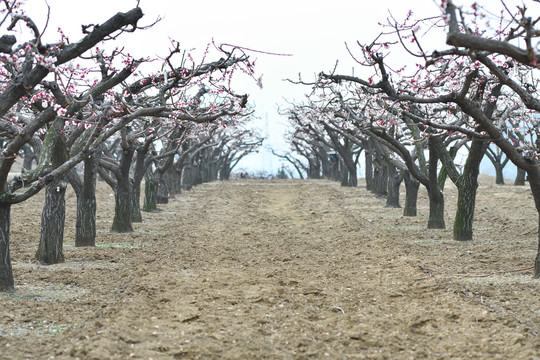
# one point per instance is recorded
(280, 269)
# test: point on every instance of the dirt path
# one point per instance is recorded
(281, 269)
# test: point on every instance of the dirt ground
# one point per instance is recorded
(280, 270)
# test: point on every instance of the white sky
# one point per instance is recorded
(314, 32)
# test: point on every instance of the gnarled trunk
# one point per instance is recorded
(85, 225)
(53, 216)
(467, 186)
(463, 222)
(122, 209)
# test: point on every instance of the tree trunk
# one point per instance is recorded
(85, 225)
(369, 170)
(353, 177)
(170, 180)
(467, 185)
(436, 209)
(394, 181)
(380, 188)
(136, 216)
(197, 175)
(436, 196)
(150, 191)
(122, 209)
(314, 168)
(6, 272)
(225, 172)
(534, 183)
(344, 176)
(187, 177)
(162, 196)
(50, 250)
(537, 260)
(123, 194)
(53, 216)
(411, 194)
(334, 167)
(499, 177)
(463, 222)
(520, 177)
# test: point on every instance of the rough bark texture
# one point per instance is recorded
(122, 211)
(150, 192)
(53, 217)
(537, 259)
(162, 196)
(436, 196)
(411, 194)
(394, 181)
(6, 272)
(136, 215)
(50, 249)
(534, 183)
(380, 179)
(85, 225)
(467, 186)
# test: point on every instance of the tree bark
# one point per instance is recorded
(520, 177)
(6, 272)
(123, 193)
(136, 216)
(534, 182)
(369, 169)
(344, 176)
(436, 196)
(53, 216)
(162, 196)
(537, 259)
(411, 194)
(122, 209)
(467, 185)
(85, 224)
(87, 206)
(499, 177)
(380, 179)
(50, 250)
(394, 182)
(150, 191)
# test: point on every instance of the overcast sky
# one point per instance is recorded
(313, 32)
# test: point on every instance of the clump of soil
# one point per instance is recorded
(280, 269)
